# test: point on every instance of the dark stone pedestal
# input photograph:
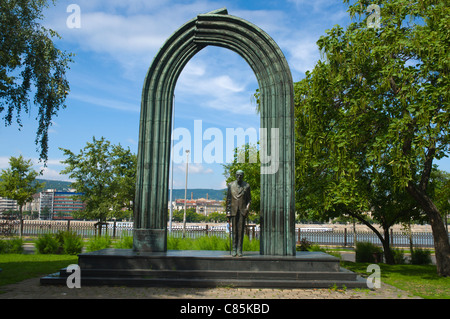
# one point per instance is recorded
(150, 240)
(209, 269)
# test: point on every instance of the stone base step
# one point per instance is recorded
(209, 269)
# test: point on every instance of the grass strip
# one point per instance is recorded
(18, 267)
(417, 280)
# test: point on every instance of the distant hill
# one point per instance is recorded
(215, 194)
(60, 186)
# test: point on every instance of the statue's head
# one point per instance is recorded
(239, 175)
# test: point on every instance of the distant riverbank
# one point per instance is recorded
(359, 227)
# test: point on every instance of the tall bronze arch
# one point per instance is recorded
(277, 99)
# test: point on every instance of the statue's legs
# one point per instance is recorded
(238, 224)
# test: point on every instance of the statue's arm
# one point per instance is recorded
(249, 197)
(228, 204)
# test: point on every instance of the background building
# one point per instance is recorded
(203, 206)
(7, 204)
(59, 205)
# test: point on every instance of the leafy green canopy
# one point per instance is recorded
(378, 100)
(18, 182)
(106, 175)
(28, 58)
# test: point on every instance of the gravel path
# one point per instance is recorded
(31, 289)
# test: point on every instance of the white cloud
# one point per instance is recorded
(317, 5)
(219, 79)
(109, 103)
(128, 31)
(132, 141)
(223, 184)
(4, 162)
(131, 33)
(193, 168)
(303, 53)
(52, 174)
(130, 6)
(111, 33)
(270, 21)
(51, 162)
(51, 171)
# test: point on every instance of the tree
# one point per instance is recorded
(378, 99)
(18, 182)
(28, 56)
(191, 216)
(106, 175)
(322, 196)
(217, 217)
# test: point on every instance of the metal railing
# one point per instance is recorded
(328, 237)
(348, 238)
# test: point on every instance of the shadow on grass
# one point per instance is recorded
(419, 280)
(427, 272)
(18, 267)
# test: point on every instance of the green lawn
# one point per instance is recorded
(417, 280)
(18, 267)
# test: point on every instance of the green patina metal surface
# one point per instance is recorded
(260, 51)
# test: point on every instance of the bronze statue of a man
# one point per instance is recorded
(238, 203)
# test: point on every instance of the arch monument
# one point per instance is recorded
(274, 78)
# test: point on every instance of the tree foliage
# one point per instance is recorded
(373, 114)
(30, 63)
(106, 175)
(440, 190)
(18, 182)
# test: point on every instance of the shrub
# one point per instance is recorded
(248, 245)
(210, 243)
(11, 246)
(72, 243)
(98, 243)
(173, 243)
(399, 256)
(125, 242)
(365, 252)
(63, 242)
(48, 244)
(178, 243)
(16, 246)
(420, 257)
(304, 245)
(3, 247)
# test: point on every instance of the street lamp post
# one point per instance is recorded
(185, 194)
(171, 173)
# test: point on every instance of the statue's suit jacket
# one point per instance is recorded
(238, 198)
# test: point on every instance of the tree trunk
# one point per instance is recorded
(385, 241)
(441, 243)
(21, 221)
(387, 247)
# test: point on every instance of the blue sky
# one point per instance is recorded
(114, 47)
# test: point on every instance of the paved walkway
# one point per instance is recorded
(31, 289)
